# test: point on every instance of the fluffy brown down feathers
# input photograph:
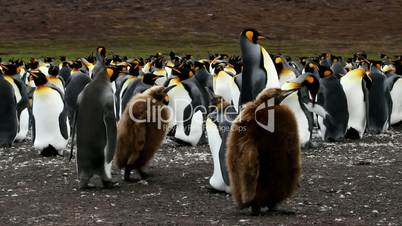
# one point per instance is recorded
(264, 167)
(137, 142)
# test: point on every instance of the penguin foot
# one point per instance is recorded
(281, 212)
(108, 184)
(49, 151)
(131, 180)
(142, 174)
(312, 145)
(87, 186)
(255, 210)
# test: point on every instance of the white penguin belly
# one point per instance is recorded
(195, 129)
(215, 142)
(285, 76)
(57, 82)
(47, 106)
(272, 74)
(179, 99)
(24, 125)
(323, 128)
(292, 101)
(123, 89)
(396, 96)
(356, 105)
(222, 86)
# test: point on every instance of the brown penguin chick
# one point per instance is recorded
(141, 130)
(264, 167)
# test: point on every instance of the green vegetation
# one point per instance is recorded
(199, 45)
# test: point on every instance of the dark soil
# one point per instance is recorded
(347, 183)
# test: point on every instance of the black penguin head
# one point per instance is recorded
(9, 69)
(325, 71)
(149, 78)
(252, 35)
(38, 77)
(158, 63)
(77, 65)
(101, 51)
(53, 70)
(112, 73)
(308, 80)
(278, 61)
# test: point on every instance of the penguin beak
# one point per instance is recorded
(260, 37)
(167, 89)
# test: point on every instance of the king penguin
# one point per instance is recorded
(218, 126)
(8, 113)
(394, 82)
(285, 71)
(224, 85)
(21, 95)
(54, 78)
(76, 84)
(296, 103)
(258, 70)
(356, 85)
(380, 102)
(95, 126)
(187, 106)
(331, 97)
(263, 152)
(50, 130)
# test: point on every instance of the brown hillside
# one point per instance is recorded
(343, 25)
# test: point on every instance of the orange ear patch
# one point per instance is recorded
(109, 72)
(327, 73)
(250, 35)
(310, 79)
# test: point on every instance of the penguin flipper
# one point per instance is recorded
(366, 85)
(111, 129)
(222, 155)
(187, 118)
(24, 102)
(33, 128)
(63, 123)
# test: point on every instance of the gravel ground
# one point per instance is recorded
(346, 183)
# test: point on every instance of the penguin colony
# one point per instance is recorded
(256, 111)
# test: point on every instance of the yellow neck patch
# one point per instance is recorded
(290, 85)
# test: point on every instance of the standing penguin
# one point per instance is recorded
(55, 79)
(394, 82)
(285, 71)
(296, 104)
(74, 87)
(258, 70)
(332, 99)
(139, 135)
(21, 95)
(224, 85)
(218, 126)
(96, 126)
(356, 85)
(380, 102)
(8, 113)
(263, 155)
(50, 130)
